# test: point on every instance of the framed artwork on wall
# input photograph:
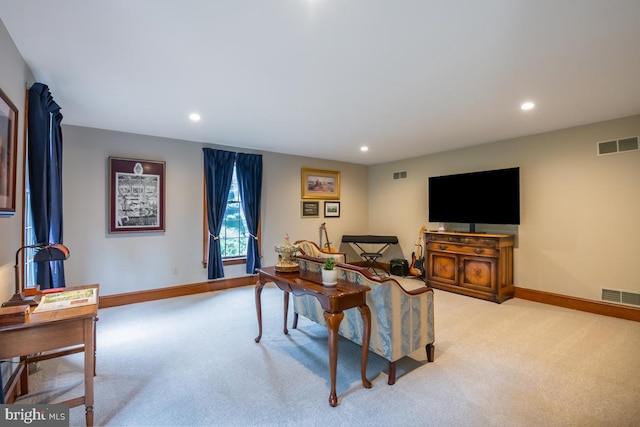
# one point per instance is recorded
(136, 195)
(331, 209)
(320, 184)
(8, 154)
(309, 209)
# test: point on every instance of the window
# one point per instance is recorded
(29, 238)
(233, 234)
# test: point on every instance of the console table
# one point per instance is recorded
(334, 301)
(474, 264)
(55, 333)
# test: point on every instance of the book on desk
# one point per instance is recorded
(66, 299)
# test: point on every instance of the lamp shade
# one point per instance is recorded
(55, 252)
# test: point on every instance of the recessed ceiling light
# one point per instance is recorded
(527, 106)
(364, 148)
(194, 117)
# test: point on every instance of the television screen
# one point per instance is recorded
(487, 197)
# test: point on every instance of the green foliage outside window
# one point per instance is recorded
(233, 235)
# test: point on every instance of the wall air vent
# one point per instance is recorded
(400, 175)
(618, 145)
(628, 144)
(621, 297)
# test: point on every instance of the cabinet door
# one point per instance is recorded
(479, 273)
(443, 268)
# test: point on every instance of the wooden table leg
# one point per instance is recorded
(286, 311)
(89, 369)
(365, 312)
(333, 323)
(259, 287)
(95, 346)
(24, 376)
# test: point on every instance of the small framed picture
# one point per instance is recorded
(8, 154)
(331, 209)
(309, 209)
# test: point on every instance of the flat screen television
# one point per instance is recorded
(486, 197)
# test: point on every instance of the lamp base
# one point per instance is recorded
(19, 299)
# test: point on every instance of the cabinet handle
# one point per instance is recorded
(443, 247)
(478, 250)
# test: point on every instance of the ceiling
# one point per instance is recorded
(320, 78)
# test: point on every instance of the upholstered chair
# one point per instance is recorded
(309, 248)
(402, 320)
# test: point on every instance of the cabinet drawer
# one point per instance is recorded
(482, 241)
(462, 249)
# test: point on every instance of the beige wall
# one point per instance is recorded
(138, 261)
(14, 76)
(579, 211)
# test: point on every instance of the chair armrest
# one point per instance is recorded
(417, 291)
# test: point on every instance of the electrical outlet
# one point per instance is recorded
(175, 270)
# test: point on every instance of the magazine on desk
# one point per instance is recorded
(67, 299)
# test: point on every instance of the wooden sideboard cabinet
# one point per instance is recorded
(477, 265)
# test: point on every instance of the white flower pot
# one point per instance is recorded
(329, 277)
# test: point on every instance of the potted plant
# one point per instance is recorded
(329, 274)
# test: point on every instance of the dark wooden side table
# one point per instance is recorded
(333, 300)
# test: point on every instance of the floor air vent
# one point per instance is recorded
(618, 145)
(621, 297)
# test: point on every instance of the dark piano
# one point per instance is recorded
(370, 256)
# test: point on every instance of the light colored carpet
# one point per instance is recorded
(193, 361)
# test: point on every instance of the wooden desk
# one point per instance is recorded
(66, 330)
(333, 300)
